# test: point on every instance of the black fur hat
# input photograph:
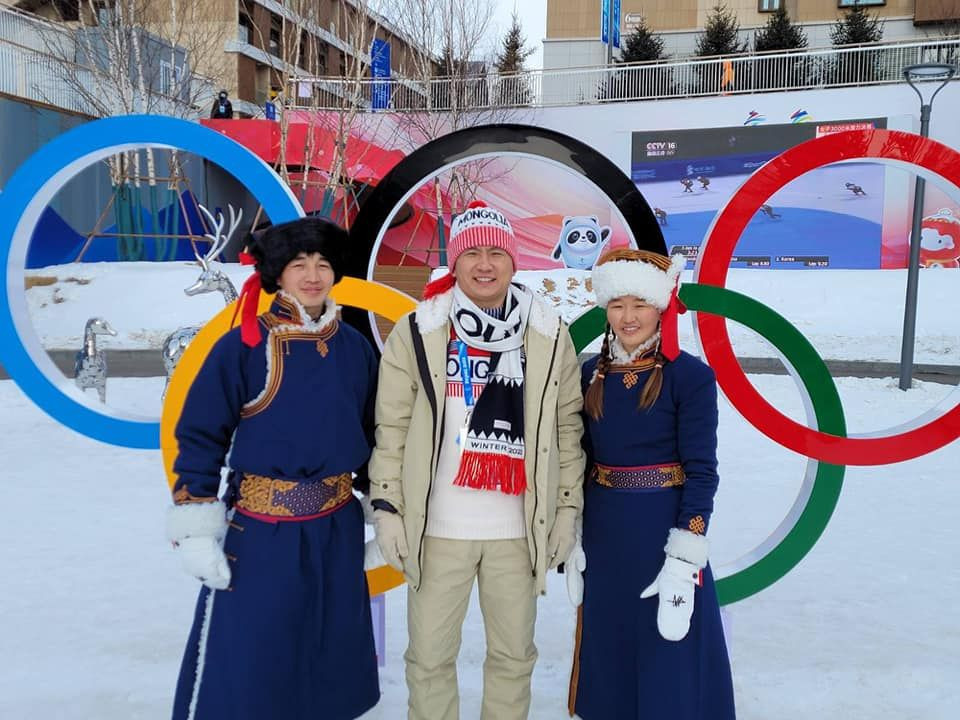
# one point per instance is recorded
(276, 246)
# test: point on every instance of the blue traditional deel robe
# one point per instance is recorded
(292, 638)
(624, 669)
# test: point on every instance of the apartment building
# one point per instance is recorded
(574, 26)
(257, 45)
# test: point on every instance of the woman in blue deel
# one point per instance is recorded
(649, 639)
(282, 627)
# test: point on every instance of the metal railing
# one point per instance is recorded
(747, 73)
(40, 77)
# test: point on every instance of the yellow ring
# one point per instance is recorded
(364, 294)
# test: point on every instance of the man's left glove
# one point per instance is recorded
(677, 581)
(197, 531)
(562, 536)
(391, 537)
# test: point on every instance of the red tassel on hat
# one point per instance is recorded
(439, 286)
(247, 305)
(669, 343)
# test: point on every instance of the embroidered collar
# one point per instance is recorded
(620, 356)
(291, 315)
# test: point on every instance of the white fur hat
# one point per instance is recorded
(639, 273)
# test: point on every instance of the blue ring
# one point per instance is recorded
(29, 191)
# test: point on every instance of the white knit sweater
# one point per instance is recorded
(462, 513)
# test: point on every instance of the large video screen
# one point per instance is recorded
(830, 217)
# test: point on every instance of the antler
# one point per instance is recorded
(219, 240)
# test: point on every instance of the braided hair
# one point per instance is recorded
(651, 388)
(593, 398)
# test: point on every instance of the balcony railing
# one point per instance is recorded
(748, 73)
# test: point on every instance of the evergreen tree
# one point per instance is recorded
(514, 88)
(721, 34)
(779, 34)
(778, 71)
(857, 26)
(513, 51)
(642, 45)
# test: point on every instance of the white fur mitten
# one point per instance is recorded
(573, 568)
(677, 582)
(197, 531)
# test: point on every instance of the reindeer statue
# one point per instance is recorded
(211, 279)
(90, 370)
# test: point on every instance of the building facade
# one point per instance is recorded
(574, 26)
(253, 48)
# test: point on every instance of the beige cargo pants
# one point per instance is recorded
(435, 616)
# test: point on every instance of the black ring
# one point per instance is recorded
(506, 139)
(509, 139)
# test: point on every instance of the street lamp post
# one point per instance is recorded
(915, 74)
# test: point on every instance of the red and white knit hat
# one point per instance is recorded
(478, 226)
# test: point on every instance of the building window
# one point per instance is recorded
(170, 77)
(104, 14)
(245, 29)
(851, 3)
(275, 47)
(303, 59)
(67, 10)
(322, 50)
(768, 5)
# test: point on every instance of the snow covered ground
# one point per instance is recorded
(94, 610)
(846, 314)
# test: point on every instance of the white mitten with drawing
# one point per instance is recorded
(681, 575)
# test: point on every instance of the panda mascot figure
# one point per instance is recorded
(581, 241)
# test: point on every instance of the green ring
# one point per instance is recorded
(812, 374)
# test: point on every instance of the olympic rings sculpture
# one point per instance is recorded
(823, 439)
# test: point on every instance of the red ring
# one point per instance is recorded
(715, 260)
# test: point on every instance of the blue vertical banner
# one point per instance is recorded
(604, 21)
(616, 23)
(380, 69)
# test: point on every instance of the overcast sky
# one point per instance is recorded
(533, 20)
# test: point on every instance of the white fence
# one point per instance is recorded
(31, 71)
(749, 73)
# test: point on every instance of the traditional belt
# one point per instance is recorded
(274, 500)
(640, 477)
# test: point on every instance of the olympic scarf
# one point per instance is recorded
(492, 455)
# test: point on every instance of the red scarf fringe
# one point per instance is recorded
(247, 305)
(488, 471)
